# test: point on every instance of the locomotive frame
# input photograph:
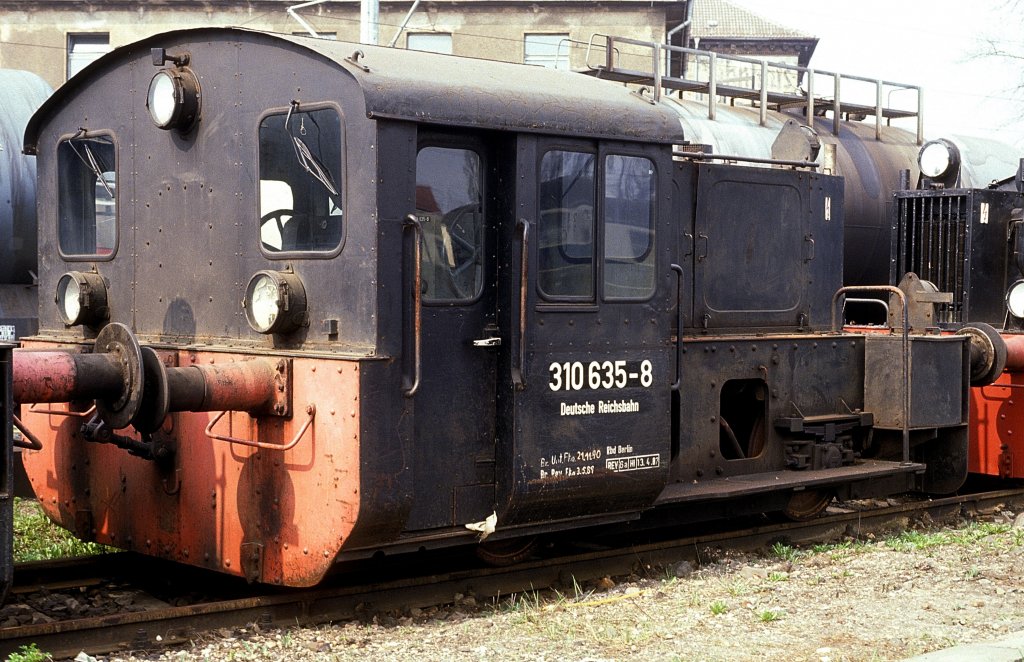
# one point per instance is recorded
(631, 334)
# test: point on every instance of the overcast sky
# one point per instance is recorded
(931, 43)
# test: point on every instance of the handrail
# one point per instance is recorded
(658, 75)
(518, 362)
(678, 383)
(310, 411)
(63, 412)
(409, 387)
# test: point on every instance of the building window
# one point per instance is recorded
(547, 50)
(433, 42)
(84, 48)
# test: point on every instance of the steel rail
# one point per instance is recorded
(164, 626)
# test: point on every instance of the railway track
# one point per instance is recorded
(374, 588)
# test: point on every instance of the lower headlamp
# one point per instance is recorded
(275, 302)
(82, 299)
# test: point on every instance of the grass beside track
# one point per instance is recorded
(36, 538)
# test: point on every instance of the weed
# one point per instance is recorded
(768, 615)
(738, 588)
(29, 653)
(784, 552)
(973, 533)
(718, 607)
(577, 590)
(778, 577)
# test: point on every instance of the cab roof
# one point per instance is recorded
(434, 88)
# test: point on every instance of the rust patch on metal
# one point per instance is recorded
(220, 502)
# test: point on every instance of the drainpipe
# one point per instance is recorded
(684, 26)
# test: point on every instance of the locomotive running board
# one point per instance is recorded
(775, 481)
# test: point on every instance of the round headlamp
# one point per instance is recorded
(275, 302)
(173, 99)
(938, 159)
(82, 299)
(1015, 299)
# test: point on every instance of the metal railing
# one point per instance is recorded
(606, 53)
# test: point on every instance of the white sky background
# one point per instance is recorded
(931, 43)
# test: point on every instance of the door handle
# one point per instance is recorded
(519, 304)
(677, 384)
(493, 341)
(411, 383)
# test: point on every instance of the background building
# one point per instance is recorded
(56, 38)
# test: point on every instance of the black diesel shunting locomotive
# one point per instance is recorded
(313, 301)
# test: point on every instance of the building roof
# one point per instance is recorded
(721, 19)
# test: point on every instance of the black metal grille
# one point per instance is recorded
(932, 241)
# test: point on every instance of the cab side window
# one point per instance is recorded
(87, 198)
(300, 187)
(449, 207)
(629, 203)
(566, 225)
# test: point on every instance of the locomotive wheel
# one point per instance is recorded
(807, 504)
(506, 552)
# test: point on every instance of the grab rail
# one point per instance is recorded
(310, 411)
(518, 362)
(410, 386)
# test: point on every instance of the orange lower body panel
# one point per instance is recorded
(272, 516)
(997, 427)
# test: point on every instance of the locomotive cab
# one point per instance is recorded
(339, 301)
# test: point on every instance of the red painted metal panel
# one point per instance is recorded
(272, 516)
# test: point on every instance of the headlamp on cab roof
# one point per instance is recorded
(173, 99)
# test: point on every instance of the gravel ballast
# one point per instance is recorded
(880, 599)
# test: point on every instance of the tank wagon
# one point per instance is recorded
(309, 301)
(23, 93)
(743, 113)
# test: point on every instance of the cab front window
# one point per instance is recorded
(87, 198)
(300, 187)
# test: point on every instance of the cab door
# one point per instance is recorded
(454, 406)
(592, 305)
